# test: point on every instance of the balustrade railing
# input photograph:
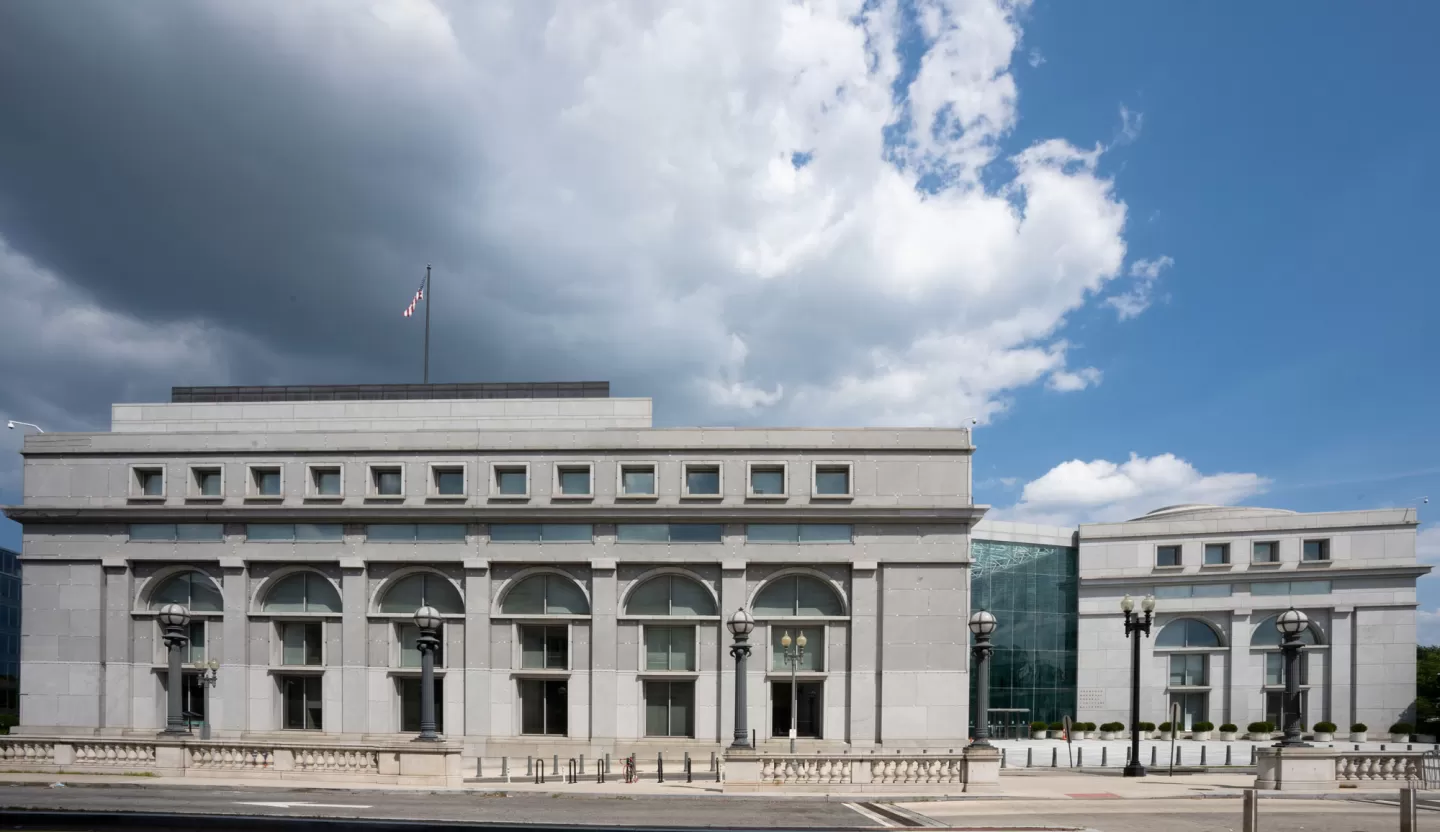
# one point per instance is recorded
(114, 754)
(342, 760)
(1362, 766)
(807, 770)
(917, 770)
(231, 757)
(26, 751)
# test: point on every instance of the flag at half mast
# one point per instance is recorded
(419, 296)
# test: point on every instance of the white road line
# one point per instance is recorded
(304, 805)
(879, 820)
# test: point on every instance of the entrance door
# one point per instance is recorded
(808, 704)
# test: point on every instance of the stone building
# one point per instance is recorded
(584, 563)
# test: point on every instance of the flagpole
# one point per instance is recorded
(428, 290)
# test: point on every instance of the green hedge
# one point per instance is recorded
(1325, 727)
(1359, 728)
(1204, 726)
(1402, 728)
(1261, 728)
(1228, 728)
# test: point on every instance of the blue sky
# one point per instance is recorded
(612, 196)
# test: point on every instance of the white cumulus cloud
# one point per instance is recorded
(1138, 298)
(1103, 491)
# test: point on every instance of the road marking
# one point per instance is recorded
(304, 805)
(877, 819)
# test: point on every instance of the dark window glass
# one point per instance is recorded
(544, 706)
(575, 482)
(326, 481)
(267, 481)
(833, 481)
(702, 481)
(766, 480)
(207, 482)
(1316, 550)
(637, 480)
(387, 481)
(512, 481)
(148, 532)
(1265, 551)
(1217, 554)
(1187, 632)
(669, 709)
(269, 532)
(410, 705)
(150, 481)
(1167, 555)
(642, 533)
(450, 482)
(544, 648)
(301, 642)
(301, 700)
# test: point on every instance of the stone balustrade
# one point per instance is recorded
(1378, 766)
(412, 764)
(971, 770)
(1308, 768)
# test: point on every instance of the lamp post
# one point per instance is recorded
(740, 625)
(1135, 626)
(174, 619)
(208, 677)
(794, 653)
(428, 620)
(982, 624)
(1291, 624)
(12, 423)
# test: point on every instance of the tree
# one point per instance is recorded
(1427, 690)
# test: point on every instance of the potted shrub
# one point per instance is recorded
(1146, 729)
(1110, 729)
(1324, 732)
(1037, 730)
(1164, 732)
(1202, 730)
(1260, 730)
(1357, 732)
(1087, 730)
(1401, 731)
(1057, 730)
(1228, 732)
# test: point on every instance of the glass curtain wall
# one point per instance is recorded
(1034, 592)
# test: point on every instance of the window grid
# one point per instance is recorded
(302, 643)
(702, 480)
(636, 479)
(1315, 551)
(1265, 551)
(510, 481)
(768, 480)
(386, 481)
(544, 647)
(147, 482)
(325, 481)
(301, 703)
(207, 482)
(573, 480)
(448, 480)
(832, 480)
(1217, 554)
(265, 482)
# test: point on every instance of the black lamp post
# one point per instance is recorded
(741, 624)
(982, 624)
(1135, 626)
(793, 656)
(209, 675)
(174, 619)
(428, 620)
(1291, 624)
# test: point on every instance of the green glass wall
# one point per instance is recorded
(1033, 592)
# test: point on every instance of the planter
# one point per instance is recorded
(1399, 737)
(1258, 737)
(1164, 736)
(1200, 736)
(1321, 736)
(1082, 735)
(1359, 736)
(1227, 736)
(1039, 735)
(1107, 735)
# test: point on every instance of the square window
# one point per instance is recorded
(301, 643)
(574, 480)
(265, 482)
(809, 658)
(301, 702)
(669, 709)
(544, 648)
(511, 481)
(1167, 555)
(147, 482)
(767, 479)
(1316, 550)
(407, 636)
(1217, 554)
(1275, 669)
(702, 479)
(206, 482)
(1265, 551)
(1188, 670)
(832, 479)
(447, 480)
(544, 706)
(669, 648)
(636, 479)
(326, 481)
(387, 481)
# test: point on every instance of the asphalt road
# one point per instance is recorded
(551, 808)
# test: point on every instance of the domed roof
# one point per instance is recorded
(1206, 510)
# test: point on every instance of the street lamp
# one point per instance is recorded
(1291, 624)
(793, 656)
(208, 676)
(1134, 627)
(12, 423)
(174, 619)
(428, 620)
(740, 625)
(982, 624)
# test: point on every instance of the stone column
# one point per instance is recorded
(230, 694)
(354, 661)
(118, 636)
(477, 648)
(604, 588)
(864, 654)
(1341, 681)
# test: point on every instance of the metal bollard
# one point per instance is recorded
(660, 766)
(1153, 750)
(505, 768)
(1080, 758)
(582, 765)
(571, 775)
(1104, 755)
(555, 767)
(1252, 755)
(712, 760)
(1054, 758)
(1029, 757)
(608, 769)
(1408, 811)
(599, 772)
(688, 778)
(1227, 754)
(529, 766)
(1178, 749)
(1202, 755)
(1250, 809)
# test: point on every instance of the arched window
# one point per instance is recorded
(191, 590)
(798, 595)
(545, 594)
(1266, 635)
(422, 589)
(670, 595)
(302, 592)
(1187, 632)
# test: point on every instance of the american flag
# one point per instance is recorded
(415, 301)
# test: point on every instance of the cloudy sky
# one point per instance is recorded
(1161, 252)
